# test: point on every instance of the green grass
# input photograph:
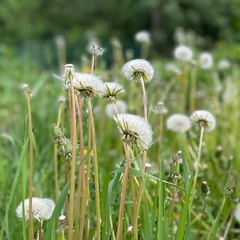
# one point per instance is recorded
(218, 166)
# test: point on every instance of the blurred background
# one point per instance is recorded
(31, 28)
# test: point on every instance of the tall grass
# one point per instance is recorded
(105, 188)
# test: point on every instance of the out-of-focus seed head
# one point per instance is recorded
(138, 69)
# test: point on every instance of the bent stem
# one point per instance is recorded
(123, 194)
(197, 166)
(95, 166)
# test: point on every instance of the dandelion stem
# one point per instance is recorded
(144, 99)
(123, 194)
(73, 162)
(95, 166)
(197, 165)
(81, 173)
(137, 203)
(30, 186)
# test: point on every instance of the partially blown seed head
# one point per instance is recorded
(206, 60)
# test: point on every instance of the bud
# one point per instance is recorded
(205, 188)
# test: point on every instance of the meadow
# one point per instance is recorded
(142, 149)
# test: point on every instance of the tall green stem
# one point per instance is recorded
(197, 166)
(73, 162)
(144, 99)
(30, 186)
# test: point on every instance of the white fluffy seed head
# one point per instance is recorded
(42, 209)
(178, 123)
(143, 37)
(204, 119)
(88, 84)
(237, 212)
(121, 108)
(135, 130)
(205, 60)
(183, 53)
(136, 69)
(223, 64)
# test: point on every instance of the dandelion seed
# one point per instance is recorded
(183, 53)
(121, 108)
(42, 209)
(143, 37)
(88, 85)
(112, 89)
(137, 69)
(135, 130)
(178, 123)
(206, 60)
(204, 119)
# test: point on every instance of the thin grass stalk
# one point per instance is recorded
(81, 173)
(185, 87)
(123, 193)
(30, 186)
(95, 166)
(215, 223)
(137, 203)
(197, 166)
(73, 161)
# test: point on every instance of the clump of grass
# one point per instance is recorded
(103, 184)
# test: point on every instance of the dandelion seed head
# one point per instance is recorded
(183, 53)
(143, 37)
(237, 212)
(112, 89)
(121, 108)
(205, 60)
(178, 123)
(88, 85)
(42, 209)
(135, 130)
(204, 119)
(223, 64)
(136, 69)
(60, 41)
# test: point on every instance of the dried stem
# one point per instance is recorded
(123, 194)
